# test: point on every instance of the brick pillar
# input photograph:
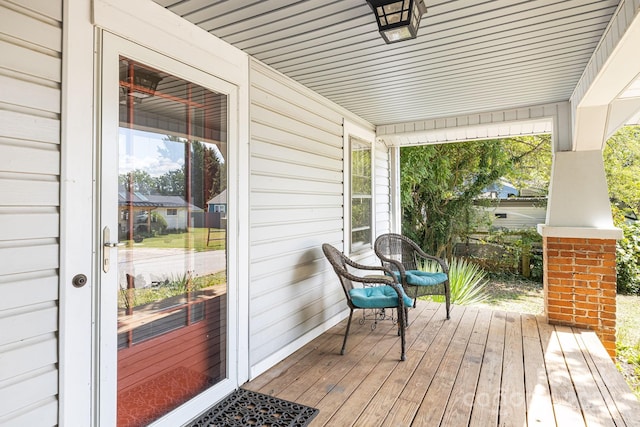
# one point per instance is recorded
(580, 285)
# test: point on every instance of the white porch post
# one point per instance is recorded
(579, 239)
(396, 206)
(579, 244)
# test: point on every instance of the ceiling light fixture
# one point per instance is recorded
(139, 83)
(398, 20)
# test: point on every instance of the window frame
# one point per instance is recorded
(354, 132)
(360, 196)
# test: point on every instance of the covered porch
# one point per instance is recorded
(294, 82)
(481, 368)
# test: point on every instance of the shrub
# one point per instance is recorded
(158, 223)
(628, 260)
(466, 280)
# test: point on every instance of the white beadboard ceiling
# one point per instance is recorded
(469, 56)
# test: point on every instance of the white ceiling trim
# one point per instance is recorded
(532, 120)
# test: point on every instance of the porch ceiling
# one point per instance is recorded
(470, 55)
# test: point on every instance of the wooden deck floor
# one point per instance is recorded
(481, 368)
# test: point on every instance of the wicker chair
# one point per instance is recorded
(404, 257)
(375, 292)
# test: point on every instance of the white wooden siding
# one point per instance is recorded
(382, 191)
(297, 197)
(30, 78)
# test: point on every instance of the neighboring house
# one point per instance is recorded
(500, 190)
(515, 213)
(218, 203)
(174, 209)
(508, 208)
(519, 213)
(92, 88)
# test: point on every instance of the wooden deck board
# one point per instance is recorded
(481, 368)
(594, 408)
(538, 395)
(563, 395)
(487, 398)
(512, 398)
(332, 368)
(611, 404)
(402, 412)
(383, 400)
(343, 390)
(435, 401)
(387, 395)
(460, 404)
(612, 383)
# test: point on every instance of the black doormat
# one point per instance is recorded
(244, 408)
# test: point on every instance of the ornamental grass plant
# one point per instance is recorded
(466, 280)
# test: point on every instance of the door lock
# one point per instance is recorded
(79, 280)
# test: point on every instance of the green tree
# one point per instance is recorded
(171, 183)
(206, 169)
(531, 162)
(138, 181)
(439, 184)
(622, 168)
(208, 174)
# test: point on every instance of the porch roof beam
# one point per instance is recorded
(529, 120)
(601, 102)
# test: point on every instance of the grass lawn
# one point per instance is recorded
(628, 340)
(512, 293)
(196, 239)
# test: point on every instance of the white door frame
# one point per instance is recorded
(77, 213)
(150, 25)
(111, 48)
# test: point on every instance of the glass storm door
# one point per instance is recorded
(165, 244)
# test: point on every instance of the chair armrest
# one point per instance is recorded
(398, 265)
(358, 266)
(387, 279)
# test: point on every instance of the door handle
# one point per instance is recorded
(106, 250)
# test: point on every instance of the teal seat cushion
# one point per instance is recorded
(423, 278)
(377, 297)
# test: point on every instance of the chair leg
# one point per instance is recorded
(401, 329)
(447, 298)
(346, 334)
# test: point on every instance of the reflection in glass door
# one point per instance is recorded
(172, 259)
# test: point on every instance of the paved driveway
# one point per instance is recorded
(150, 265)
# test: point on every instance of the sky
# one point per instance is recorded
(140, 150)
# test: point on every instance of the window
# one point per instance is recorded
(172, 212)
(361, 195)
